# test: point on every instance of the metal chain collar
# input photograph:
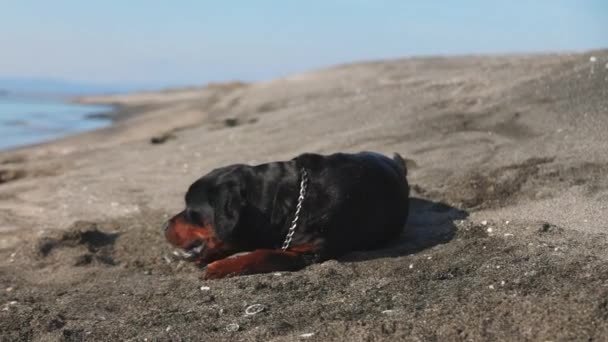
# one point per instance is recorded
(294, 223)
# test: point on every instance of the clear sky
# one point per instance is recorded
(163, 42)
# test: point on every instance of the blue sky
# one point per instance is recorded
(165, 43)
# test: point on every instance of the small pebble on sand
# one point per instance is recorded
(232, 327)
(254, 309)
(411, 266)
(484, 222)
(489, 230)
(491, 287)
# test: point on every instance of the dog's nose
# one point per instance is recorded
(166, 226)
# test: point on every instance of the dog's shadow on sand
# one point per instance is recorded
(429, 224)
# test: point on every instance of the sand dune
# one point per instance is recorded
(508, 162)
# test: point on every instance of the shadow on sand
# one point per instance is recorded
(429, 224)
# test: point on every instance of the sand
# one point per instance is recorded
(508, 162)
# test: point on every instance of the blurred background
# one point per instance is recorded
(70, 47)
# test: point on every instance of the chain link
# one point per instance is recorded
(294, 223)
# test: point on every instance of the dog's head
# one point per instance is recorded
(213, 210)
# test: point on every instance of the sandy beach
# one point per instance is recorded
(507, 158)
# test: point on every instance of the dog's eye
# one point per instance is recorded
(193, 217)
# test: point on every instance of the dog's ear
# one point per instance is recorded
(228, 204)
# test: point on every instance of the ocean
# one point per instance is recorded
(31, 120)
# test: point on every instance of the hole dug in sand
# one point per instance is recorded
(11, 175)
(86, 243)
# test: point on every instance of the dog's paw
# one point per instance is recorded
(218, 270)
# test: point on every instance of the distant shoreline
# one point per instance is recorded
(44, 120)
(117, 113)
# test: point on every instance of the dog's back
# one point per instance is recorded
(363, 196)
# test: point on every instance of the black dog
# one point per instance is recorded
(291, 214)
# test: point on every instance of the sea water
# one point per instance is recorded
(31, 120)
